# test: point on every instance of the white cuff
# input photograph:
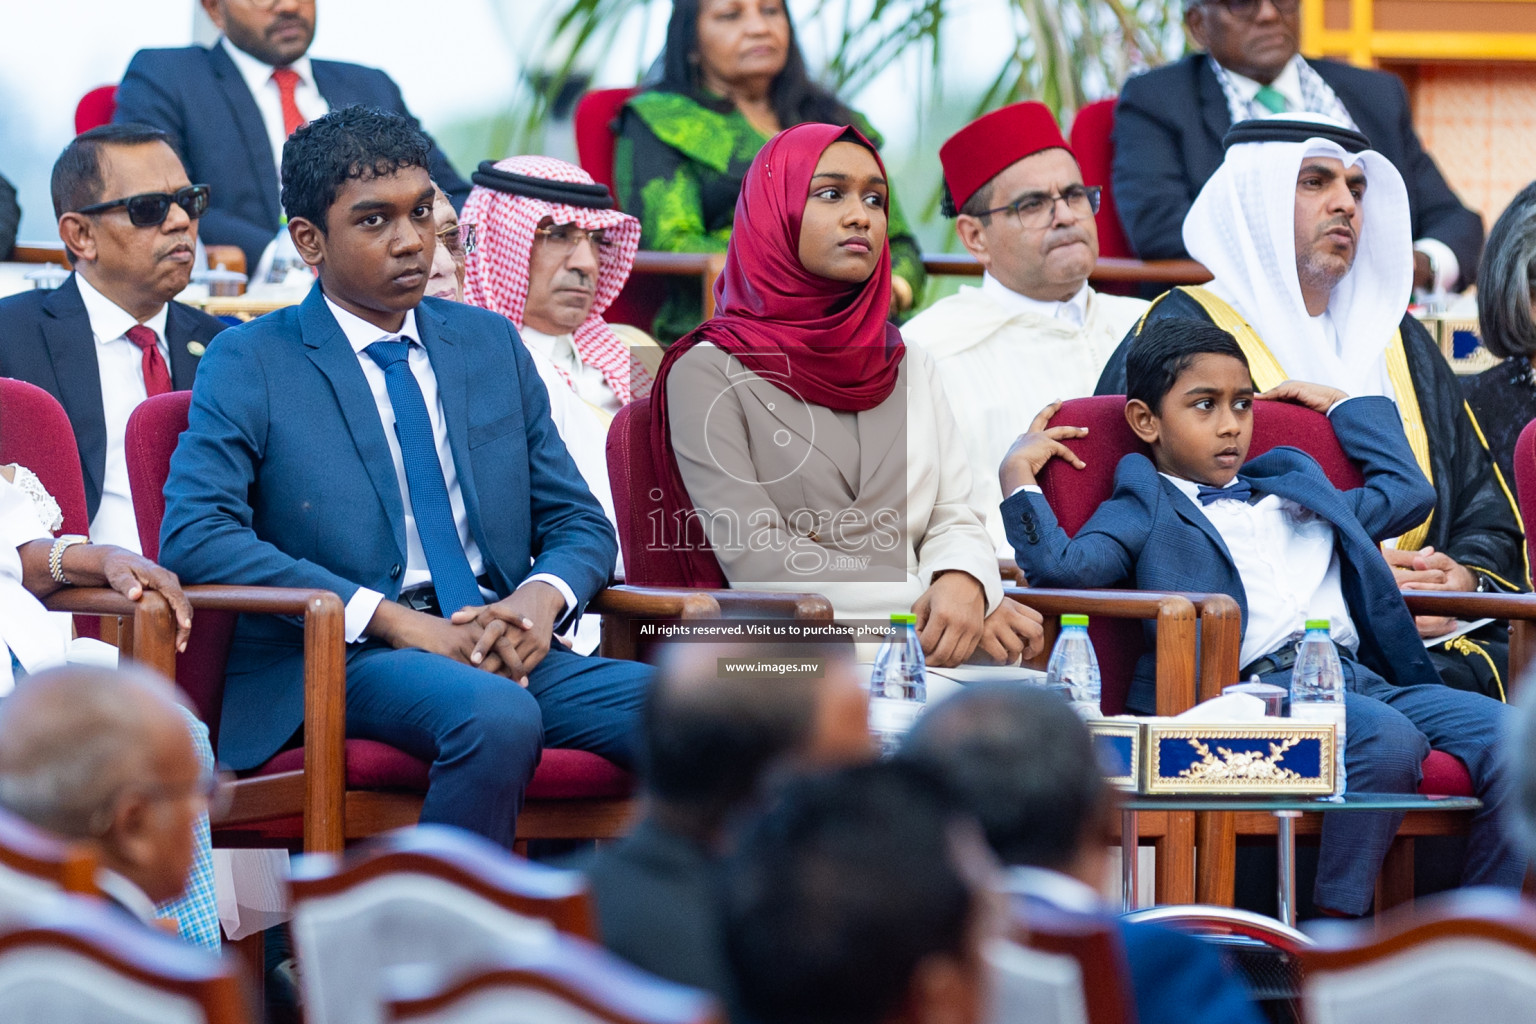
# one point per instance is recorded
(1335, 405)
(559, 584)
(1447, 267)
(1031, 488)
(360, 612)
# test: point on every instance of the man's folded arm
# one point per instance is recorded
(1395, 496)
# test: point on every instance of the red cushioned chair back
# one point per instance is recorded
(35, 432)
(1525, 482)
(1095, 153)
(153, 431)
(96, 108)
(596, 111)
(1075, 494)
(636, 500)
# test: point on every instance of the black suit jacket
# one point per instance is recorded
(1169, 123)
(198, 96)
(46, 339)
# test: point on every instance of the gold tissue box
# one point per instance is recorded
(1274, 757)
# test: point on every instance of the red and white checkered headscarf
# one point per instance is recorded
(496, 272)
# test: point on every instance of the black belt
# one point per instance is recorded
(1280, 660)
(423, 597)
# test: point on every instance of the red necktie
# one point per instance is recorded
(287, 81)
(157, 379)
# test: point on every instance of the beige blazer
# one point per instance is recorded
(864, 508)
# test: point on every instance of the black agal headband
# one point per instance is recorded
(568, 193)
(1277, 129)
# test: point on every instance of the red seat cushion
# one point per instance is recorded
(561, 775)
(1444, 775)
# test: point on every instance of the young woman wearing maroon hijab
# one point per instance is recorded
(796, 432)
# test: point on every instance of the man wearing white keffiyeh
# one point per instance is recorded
(1305, 228)
(1169, 123)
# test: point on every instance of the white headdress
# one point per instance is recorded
(1242, 226)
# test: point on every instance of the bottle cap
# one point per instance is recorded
(1322, 624)
(1074, 620)
(903, 619)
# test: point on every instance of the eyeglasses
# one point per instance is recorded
(149, 209)
(458, 239)
(1248, 10)
(1038, 209)
(563, 238)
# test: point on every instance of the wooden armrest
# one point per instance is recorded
(1519, 609)
(1169, 272)
(325, 700)
(40, 252)
(1176, 628)
(154, 628)
(1471, 605)
(626, 602)
(1108, 268)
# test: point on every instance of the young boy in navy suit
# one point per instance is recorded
(1287, 546)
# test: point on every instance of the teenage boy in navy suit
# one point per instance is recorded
(398, 451)
(1287, 546)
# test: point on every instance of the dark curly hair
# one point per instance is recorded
(1167, 347)
(353, 142)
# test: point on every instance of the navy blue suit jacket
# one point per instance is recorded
(284, 478)
(199, 98)
(46, 339)
(1169, 123)
(1152, 533)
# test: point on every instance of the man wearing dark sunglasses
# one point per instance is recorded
(1034, 331)
(1170, 121)
(110, 335)
(230, 106)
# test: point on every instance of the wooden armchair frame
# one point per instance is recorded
(1216, 832)
(1181, 669)
(333, 814)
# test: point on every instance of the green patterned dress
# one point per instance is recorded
(679, 165)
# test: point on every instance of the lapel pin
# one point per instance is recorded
(197, 348)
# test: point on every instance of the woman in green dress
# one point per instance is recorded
(732, 77)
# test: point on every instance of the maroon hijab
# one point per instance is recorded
(840, 350)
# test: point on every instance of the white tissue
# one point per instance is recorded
(1229, 707)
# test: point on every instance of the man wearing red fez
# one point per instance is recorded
(1034, 331)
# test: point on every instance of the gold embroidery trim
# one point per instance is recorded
(1514, 506)
(1466, 648)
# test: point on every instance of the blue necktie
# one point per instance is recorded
(451, 575)
(1238, 490)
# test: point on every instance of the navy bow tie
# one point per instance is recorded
(1238, 490)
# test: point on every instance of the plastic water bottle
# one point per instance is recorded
(1317, 690)
(1073, 670)
(898, 686)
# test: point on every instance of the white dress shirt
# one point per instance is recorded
(258, 78)
(360, 334)
(1288, 565)
(587, 382)
(121, 365)
(1074, 311)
